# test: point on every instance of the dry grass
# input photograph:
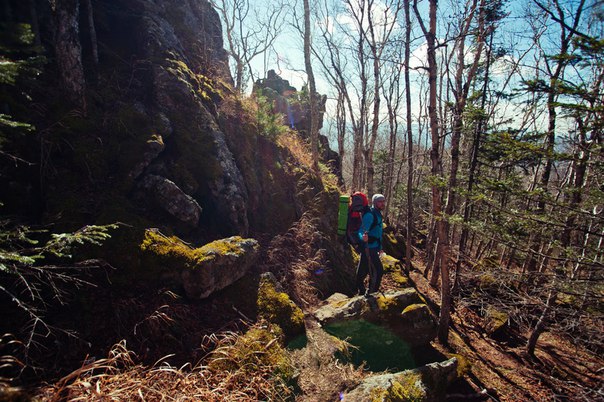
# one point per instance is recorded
(299, 149)
(241, 368)
(298, 258)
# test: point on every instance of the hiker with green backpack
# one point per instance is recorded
(370, 235)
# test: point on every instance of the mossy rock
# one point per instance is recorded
(204, 270)
(409, 388)
(276, 307)
(389, 306)
(418, 315)
(423, 384)
(394, 268)
(464, 366)
(495, 322)
(393, 243)
(390, 263)
(400, 279)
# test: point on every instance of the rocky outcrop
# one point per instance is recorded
(296, 113)
(172, 199)
(340, 307)
(495, 322)
(199, 271)
(425, 384)
(185, 39)
(402, 311)
(219, 264)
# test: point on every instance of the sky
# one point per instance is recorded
(515, 34)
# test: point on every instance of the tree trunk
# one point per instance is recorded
(468, 209)
(540, 326)
(409, 139)
(341, 123)
(376, 103)
(35, 24)
(314, 132)
(92, 31)
(461, 94)
(552, 95)
(443, 250)
(68, 51)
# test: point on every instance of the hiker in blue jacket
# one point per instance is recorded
(370, 233)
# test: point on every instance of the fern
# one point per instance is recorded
(61, 244)
(30, 282)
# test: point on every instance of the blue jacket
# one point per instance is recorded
(375, 234)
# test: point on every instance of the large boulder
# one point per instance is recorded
(424, 384)
(219, 264)
(402, 311)
(339, 307)
(199, 271)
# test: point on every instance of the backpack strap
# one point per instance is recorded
(375, 220)
(373, 225)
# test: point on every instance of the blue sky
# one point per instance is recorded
(514, 34)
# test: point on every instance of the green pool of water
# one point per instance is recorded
(377, 346)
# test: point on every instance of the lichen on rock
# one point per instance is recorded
(424, 384)
(204, 270)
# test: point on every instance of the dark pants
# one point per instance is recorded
(375, 271)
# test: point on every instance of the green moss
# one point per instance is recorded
(495, 320)
(463, 364)
(406, 388)
(171, 249)
(277, 308)
(220, 247)
(391, 264)
(391, 238)
(199, 84)
(413, 307)
(400, 279)
(389, 306)
(167, 247)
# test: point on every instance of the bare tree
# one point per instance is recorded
(409, 137)
(377, 45)
(442, 255)
(246, 40)
(393, 96)
(314, 131)
(555, 73)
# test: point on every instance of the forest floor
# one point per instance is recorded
(560, 371)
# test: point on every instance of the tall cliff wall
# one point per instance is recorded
(164, 141)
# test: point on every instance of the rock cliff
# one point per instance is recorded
(164, 142)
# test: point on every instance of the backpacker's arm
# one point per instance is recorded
(365, 227)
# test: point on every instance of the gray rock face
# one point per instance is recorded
(402, 311)
(154, 147)
(172, 199)
(427, 383)
(182, 45)
(218, 265)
